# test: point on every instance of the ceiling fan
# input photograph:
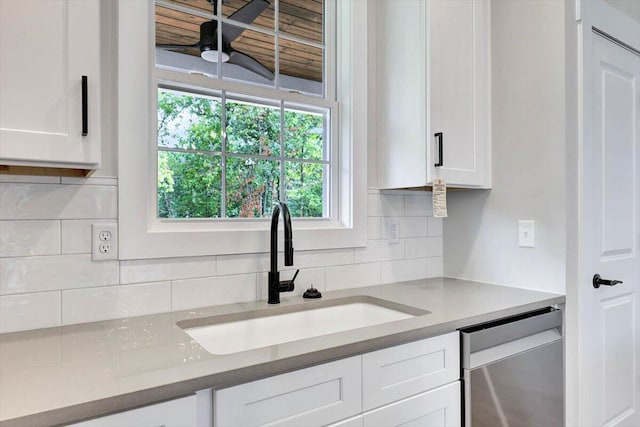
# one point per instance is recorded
(208, 43)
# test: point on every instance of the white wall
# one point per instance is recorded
(481, 241)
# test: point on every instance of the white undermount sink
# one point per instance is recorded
(237, 332)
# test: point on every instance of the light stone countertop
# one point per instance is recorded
(59, 375)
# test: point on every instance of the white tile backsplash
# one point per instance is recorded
(417, 206)
(423, 247)
(353, 276)
(415, 226)
(435, 266)
(434, 226)
(307, 259)
(385, 205)
(379, 250)
(30, 179)
(47, 276)
(377, 228)
(76, 236)
(256, 263)
(53, 201)
(153, 270)
(403, 270)
(29, 311)
(28, 238)
(112, 302)
(97, 180)
(206, 291)
(242, 263)
(48, 273)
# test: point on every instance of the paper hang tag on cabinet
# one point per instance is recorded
(439, 198)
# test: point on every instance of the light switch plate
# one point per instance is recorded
(527, 233)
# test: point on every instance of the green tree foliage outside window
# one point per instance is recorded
(191, 158)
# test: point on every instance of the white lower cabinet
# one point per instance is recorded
(414, 384)
(314, 396)
(435, 408)
(397, 372)
(174, 413)
(350, 422)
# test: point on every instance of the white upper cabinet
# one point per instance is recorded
(460, 90)
(433, 93)
(49, 118)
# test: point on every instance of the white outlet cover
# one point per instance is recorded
(527, 233)
(99, 243)
(394, 232)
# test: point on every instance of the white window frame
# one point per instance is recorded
(143, 235)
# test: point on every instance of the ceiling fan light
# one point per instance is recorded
(214, 55)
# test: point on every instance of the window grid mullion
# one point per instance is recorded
(283, 195)
(326, 171)
(223, 155)
(219, 37)
(244, 156)
(276, 34)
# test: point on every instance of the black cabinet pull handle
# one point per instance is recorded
(599, 281)
(85, 107)
(439, 137)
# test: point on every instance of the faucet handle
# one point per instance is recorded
(293, 279)
(288, 285)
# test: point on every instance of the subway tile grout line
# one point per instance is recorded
(32, 293)
(83, 254)
(60, 237)
(61, 310)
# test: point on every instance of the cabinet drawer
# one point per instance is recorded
(435, 408)
(351, 422)
(174, 413)
(314, 396)
(395, 373)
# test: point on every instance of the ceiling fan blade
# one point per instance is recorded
(245, 61)
(178, 46)
(246, 14)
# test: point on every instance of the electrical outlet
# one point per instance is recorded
(527, 234)
(105, 235)
(104, 242)
(394, 232)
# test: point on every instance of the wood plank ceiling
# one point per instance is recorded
(299, 18)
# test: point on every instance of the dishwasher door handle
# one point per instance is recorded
(502, 351)
(501, 331)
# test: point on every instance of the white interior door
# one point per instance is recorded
(608, 330)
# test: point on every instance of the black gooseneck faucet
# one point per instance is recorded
(275, 285)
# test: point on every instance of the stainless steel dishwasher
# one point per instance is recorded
(513, 371)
